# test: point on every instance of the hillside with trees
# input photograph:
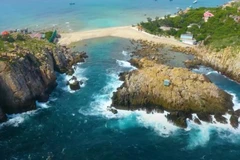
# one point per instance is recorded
(220, 31)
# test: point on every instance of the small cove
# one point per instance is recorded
(77, 125)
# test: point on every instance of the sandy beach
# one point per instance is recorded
(122, 32)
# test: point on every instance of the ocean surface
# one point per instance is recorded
(77, 125)
(87, 14)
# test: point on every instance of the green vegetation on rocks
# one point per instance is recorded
(48, 35)
(17, 44)
(218, 32)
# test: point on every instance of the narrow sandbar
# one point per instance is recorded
(122, 32)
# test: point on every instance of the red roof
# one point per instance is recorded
(5, 33)
(208, 14)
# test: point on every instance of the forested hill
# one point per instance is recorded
(220, 31)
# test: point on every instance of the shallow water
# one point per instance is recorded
(76, 125)
(87, 14)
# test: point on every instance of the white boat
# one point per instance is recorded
(194, 1)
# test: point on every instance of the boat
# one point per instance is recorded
(195, 1)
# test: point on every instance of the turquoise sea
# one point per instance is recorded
(76, 125)
(87, 14)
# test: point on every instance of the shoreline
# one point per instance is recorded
(127, 32)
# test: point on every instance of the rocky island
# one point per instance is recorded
(186, 93)
(27, 71)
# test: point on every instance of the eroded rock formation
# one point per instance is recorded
(32, 77)
(188, 92)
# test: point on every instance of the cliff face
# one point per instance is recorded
(188, 92)
(226, 61)
(31, 77)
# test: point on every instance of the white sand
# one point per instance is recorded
(122, 32)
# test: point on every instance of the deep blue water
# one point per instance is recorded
(78, 126)
(87, 14)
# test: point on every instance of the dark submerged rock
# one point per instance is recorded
(205, 117)
(179, 118)
(234, 121)
(74, 83)
(197, 121)
(220, 119)
(3, 116)
(111, 109)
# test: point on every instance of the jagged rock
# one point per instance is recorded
(220, 119)
(32, 77)
(74, 83)
(63, 61)
(205, 117)
(234, 121)
(225, 61)
(179, 118)
(237, 112)
(192, 63)
(197, 121)
(144, 88)
(111, 109)
(3, 116)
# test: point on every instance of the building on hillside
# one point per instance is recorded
(207, 15)
(188, 39)
(37, 35)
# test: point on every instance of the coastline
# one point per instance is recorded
(127, 32)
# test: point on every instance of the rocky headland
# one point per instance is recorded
(27, 71)
(185, 93)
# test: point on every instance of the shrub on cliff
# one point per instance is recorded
(8, 38)
(48, 34)
(20, 37)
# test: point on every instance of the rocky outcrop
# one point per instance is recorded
(188, 92)
(74, 83)
(63, 61)
(225, 61)
(32, 77)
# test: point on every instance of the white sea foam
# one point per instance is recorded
(16, 119)
(78, 72)
(197, 135)
(103, 99)
(205, 70)
(158, 122)
(43, 105)
(235, 100)
(213, 72)
(125, 53)
(125, 64)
